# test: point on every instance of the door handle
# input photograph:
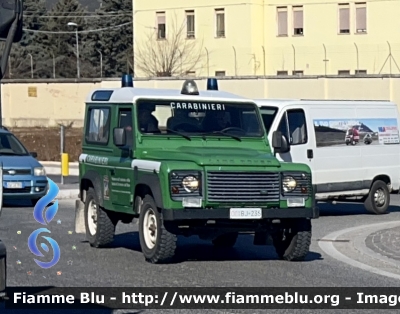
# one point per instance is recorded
(310, 154)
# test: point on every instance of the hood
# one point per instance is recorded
(19, 162)
(211, 156)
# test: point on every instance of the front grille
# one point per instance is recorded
(24, 190)
(244, 187)
(303, 181)
(16, 172)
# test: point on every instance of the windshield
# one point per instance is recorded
(10, 145)
(201, 119)
(268, 115)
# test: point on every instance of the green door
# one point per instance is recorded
(121, 179)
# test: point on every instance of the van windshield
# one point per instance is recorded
(204, 118)
(10, 145)
(268, 115)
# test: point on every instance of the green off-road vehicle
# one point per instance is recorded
(188, 162)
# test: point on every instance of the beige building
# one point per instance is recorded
(267, 37)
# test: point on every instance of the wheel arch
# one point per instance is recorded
(148, 184)
(91, 179)
(384, 178)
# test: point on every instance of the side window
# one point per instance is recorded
(98, 125)
(294, 127)
(125, 121)
(125, 118)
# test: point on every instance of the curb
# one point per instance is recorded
(67, 194)
(54, 167)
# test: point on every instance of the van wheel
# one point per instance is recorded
(158, 245)
(378, 199)
(226, 240)
(100, 227)
(293, 242)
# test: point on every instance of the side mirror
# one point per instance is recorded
(280, 143)
(33, 154)
(119, 137)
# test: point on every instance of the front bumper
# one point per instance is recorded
(32, 187)
(223, 213)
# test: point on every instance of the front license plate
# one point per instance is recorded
(245, 213)
(14, 185)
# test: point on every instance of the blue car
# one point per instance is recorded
(23, 176)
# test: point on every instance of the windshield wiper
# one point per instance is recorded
(224, 134)
(181, 134)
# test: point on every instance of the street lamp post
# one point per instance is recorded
(101, 63)
(31, 64)
(77, 48)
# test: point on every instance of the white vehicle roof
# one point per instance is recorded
(279, 102)
(131, 94)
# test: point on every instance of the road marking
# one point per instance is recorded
(328, 248)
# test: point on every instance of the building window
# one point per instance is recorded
(343, 72)
(161, 25)
(219, 73)
(299, 73)
(298, 20)
(361, 17)
(344, 18)
(282, 73)
(282, 21)
(220, 22)
(361, 72)
(190, 24)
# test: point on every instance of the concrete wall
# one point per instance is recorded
(36, 103)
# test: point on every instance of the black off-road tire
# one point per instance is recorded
(226, 240)
(370, 203)
(296, 244)
(105, 223)
(165, 242)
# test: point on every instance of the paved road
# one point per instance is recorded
(199, 264)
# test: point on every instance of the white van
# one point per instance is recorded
(351, 146)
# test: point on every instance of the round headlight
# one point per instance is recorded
(190, 184)
(289, 184)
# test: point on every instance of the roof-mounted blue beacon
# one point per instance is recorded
(127, 80)
(212, 84)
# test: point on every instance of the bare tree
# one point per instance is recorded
(173, 56)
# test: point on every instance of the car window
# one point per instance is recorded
(293, 125)
(125, 121)
(268, 116)
(10, 145)
(98, 125)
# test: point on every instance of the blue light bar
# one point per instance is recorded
(212, 84)
(127, 81)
